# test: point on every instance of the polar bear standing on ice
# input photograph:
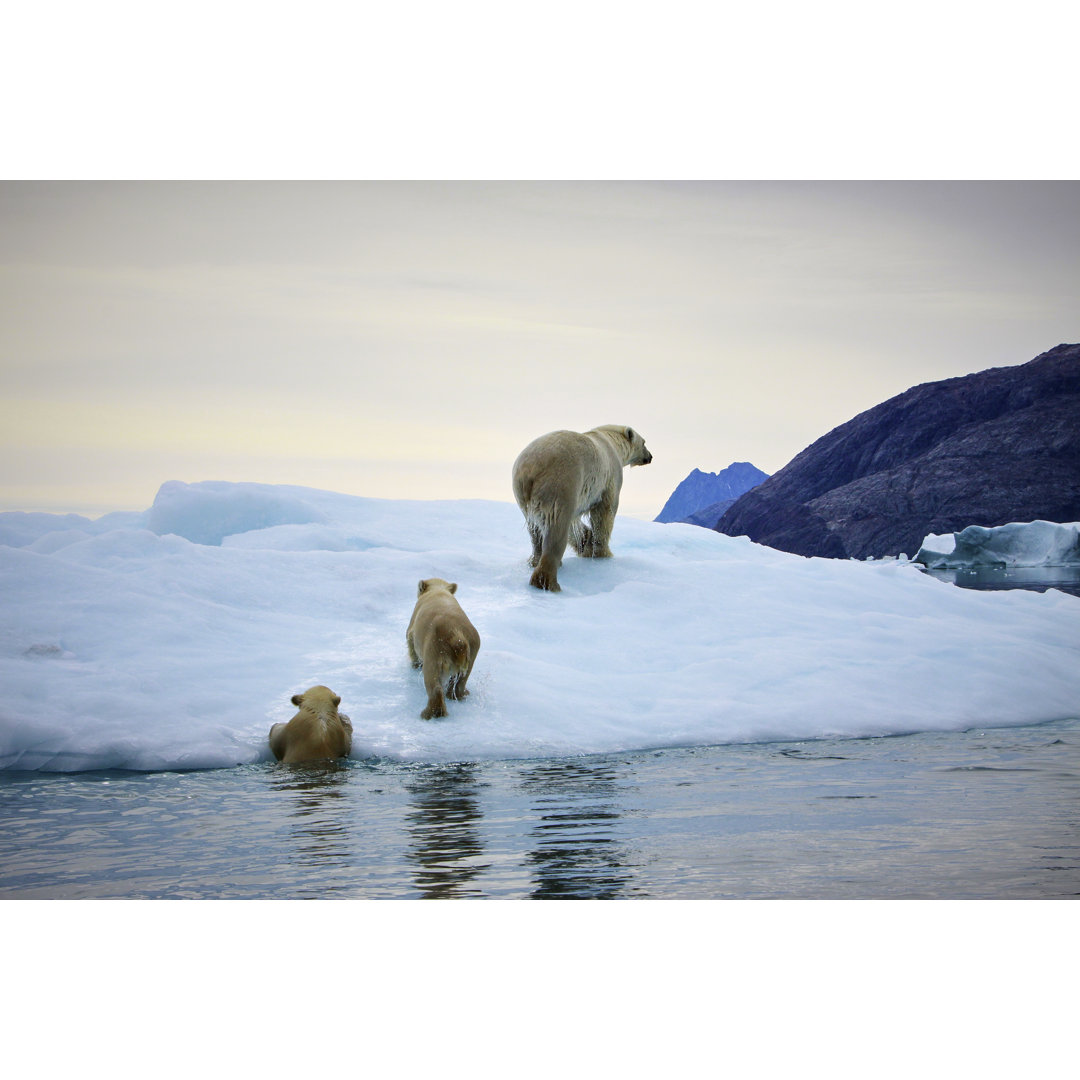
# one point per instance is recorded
(564, 474)
(443, 642)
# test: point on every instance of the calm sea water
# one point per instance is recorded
(992, 814)
(1038, 578)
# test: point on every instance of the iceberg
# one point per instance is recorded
(175, 639)
(1018, 544)
(206, 513)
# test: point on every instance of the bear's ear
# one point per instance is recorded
(298, 699)
(336, 700)
(630, 435)
(453, 587)
(421, 587)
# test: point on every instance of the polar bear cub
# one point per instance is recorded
(564, 474)
(316, 732)
(442, 642)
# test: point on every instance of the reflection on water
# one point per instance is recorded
(980, 814)
(444, 842)
(1036, 578)
(576, 852)
(315, 794)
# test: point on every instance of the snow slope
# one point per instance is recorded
(134, 649)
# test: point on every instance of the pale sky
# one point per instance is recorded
(406, 340)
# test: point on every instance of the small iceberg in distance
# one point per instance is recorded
(1018, 544)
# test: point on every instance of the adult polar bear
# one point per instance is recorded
(564, 474)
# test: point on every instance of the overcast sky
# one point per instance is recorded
(408, 339)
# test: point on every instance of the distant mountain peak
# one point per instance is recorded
(703, 489)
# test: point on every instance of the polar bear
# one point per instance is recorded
(443, 642)
(316, 732)
(564, 474)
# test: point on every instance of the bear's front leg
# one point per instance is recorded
(278, 743)
(416, 662)
(602, 521)
(581, 538)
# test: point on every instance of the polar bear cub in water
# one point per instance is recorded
(443, 642)
(564, 474)
(318, 731)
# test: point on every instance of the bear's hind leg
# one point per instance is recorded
(537, 537)
(546, 574)
(436, 705)
(463, 677)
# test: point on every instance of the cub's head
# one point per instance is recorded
(639, 452)
(433, 584)
(317, 699)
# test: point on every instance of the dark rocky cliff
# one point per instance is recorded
(708, 516)
(998, 446)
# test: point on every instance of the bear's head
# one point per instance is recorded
(317, 699)
(639, 452)
(436, 583)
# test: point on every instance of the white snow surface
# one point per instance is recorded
(1019, 544)
(124, 648)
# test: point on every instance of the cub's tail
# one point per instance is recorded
(459, 650)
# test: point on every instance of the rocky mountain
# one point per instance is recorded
(987, 449)
(702, 489)
(710, 515)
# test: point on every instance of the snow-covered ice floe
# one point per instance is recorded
(174, 638)
(1020, 544)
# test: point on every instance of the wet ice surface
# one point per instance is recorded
(968, 815)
